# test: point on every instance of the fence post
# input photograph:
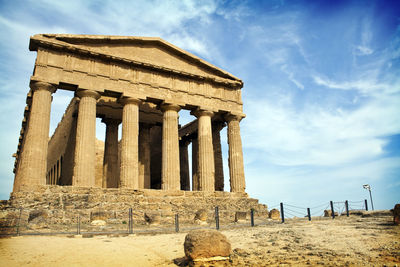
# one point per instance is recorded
(78, 225)
(252, 217)
(130, 223)
(282, 214)
(217, 217)
(346, 203)
(332, 210)
(19, 221)
(176, 223)
(366, 205)
(309, 214)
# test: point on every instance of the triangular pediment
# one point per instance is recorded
(146, 50)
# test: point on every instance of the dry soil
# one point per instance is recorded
(353, 241)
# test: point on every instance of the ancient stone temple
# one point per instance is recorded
(141, 84)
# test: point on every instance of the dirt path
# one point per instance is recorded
(343, 241)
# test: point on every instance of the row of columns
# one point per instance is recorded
(133, 164)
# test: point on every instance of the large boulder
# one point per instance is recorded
(240, 216)
(396, 214)
(274, 214)
(201, 217)
(101, 215)
(98, 223)
(38, 219)
(152, 218)
(206, 243)
(328, 213)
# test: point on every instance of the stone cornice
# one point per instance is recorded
(232, 82)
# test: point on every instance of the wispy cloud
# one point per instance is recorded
(290, 74)
(316, 136)
(363, 50)
(368, 86)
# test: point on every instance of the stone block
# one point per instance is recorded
(396, 214)
(328, 213)
(201, 217)
(37, 215)
(274, 214)
(152, 218)
(153, 193)
(102, 215)
(240, 216)
(205, 243)
(98, 223)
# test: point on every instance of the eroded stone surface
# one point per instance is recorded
(63, 204)
(274, 214)
(328, 213)
(396, 214)
(206, 243)
(240, 216)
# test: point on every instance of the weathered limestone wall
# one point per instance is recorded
(115, 76)
(62, 147)
(64, 203)
(62, 144)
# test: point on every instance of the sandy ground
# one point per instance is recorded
(352, 241)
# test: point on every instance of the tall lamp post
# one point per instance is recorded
(368, 187)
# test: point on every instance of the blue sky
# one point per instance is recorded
(321, 84)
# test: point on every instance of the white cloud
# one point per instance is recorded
(316, 136)
(318, 186)
(190, 43)
(363, 50)
(367, 85)
(366, 36)
(290, 74)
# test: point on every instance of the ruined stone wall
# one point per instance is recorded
(62, 145)
(62, 204)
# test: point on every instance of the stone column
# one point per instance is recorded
(129, 177)
(184, 165)
(219, 170)
(33, 159)
(206, 151)
(110, 161)
(170, 148)
(195, 164)
(85, 146)
(236, 169)
(144, 156)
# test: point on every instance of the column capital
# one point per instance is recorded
(202, 112)
(234, 117)
(167, 106)
(110, 121)
(87, 93)
(184, 142)
(218, 125)
(36, 85)
(129, 100)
